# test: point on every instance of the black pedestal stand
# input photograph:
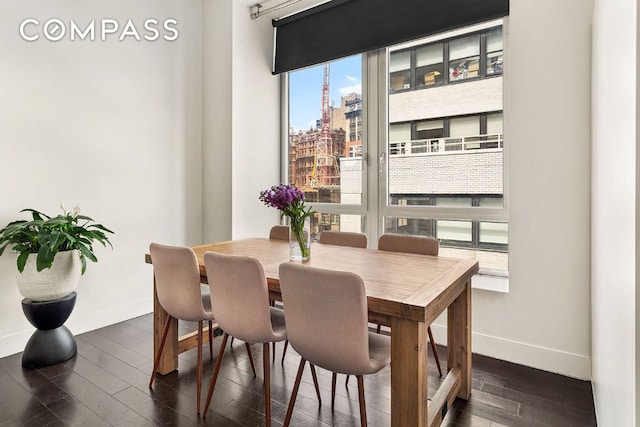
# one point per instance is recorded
(52, 343)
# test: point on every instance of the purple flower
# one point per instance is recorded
(288, 199)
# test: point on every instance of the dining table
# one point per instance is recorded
(406, 292)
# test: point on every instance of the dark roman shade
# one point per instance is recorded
(342, 28)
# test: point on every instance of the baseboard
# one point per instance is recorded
(552, 360)
(548, 359)
(15, 343)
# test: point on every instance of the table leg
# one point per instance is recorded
(169, 359)
(459, 339)
(408, 373)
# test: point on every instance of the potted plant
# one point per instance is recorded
(52, 251)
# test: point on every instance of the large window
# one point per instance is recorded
(380, 157)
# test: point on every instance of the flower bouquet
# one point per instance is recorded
(289, 200)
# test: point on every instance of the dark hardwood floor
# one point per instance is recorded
(106, 384)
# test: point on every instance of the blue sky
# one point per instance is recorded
(305, 89)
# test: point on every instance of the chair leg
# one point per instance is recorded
(346, 382)
(378, 328)
(333, 390)
(199, 368)
(253, 367)
(363, 409)
(273, 347)
(160, 348)
(315, 381)
(231, 342)
(434, 349)
(214, 378)
(294, 393)
(267, 386)
(284, 350)
(210, 340)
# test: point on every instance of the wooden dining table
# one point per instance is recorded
(404, 291)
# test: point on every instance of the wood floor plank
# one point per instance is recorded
(100, 402)
(75, 413)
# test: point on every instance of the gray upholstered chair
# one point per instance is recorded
(279, 232)
(343, 238)
(327, 320)
(338, 238)
(240, 303)
(422, 245)
(177, 279)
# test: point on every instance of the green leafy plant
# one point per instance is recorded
(46, 236)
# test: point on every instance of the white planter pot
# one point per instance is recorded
(51, 283)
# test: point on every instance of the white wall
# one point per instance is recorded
(114, 126)
(614, 210)
(242, 122)
(256, 123)
(217, 120)
(544, 320)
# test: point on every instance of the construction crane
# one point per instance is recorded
(325, 160)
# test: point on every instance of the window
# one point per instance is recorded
(464, 58)
(494, 51)
(399, 138)
(394, 163)
(429, 65)
(400, 71)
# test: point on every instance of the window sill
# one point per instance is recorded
(491, 282)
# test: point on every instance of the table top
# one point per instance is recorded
(411, 286)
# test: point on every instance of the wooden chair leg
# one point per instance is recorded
(214, 378)
(363, 409)
(284, 350)
(160, 348)
(315, 381)
(294, 393)
(435, 350)
(333, 389)
(199, 369)
(210, 340)
(253, 367)
(378, 328)
(267, 386)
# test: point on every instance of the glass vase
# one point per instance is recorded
(300, 239)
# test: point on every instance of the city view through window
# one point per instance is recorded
(440, 160)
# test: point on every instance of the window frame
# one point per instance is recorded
(374, 206)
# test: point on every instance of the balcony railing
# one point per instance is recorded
(449, 144)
